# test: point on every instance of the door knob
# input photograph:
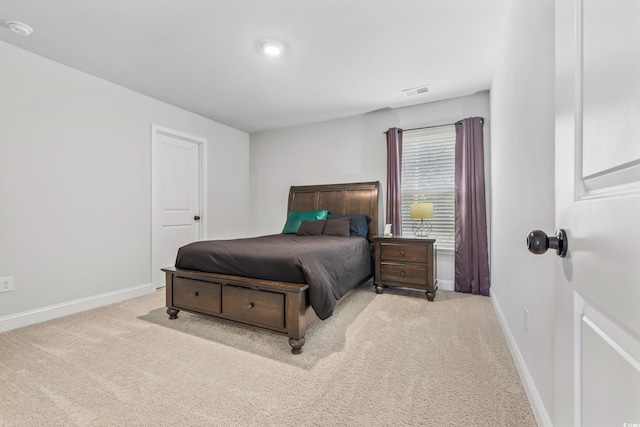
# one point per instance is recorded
(197, 218)
(538, 242)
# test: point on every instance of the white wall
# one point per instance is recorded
(75, 184)
(522, 113)
(345, 150)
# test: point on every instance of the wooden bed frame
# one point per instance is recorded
(279, 307)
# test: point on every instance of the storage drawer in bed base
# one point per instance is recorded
(200, 296)
(260, 308)
(277, 306)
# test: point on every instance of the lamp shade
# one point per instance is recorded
(421, 210)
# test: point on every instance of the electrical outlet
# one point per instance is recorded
(526, 321)
(6, 284)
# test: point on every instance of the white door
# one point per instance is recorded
(177, 217)
(598, 203)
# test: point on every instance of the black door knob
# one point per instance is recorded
(197, 218)
(538, 242)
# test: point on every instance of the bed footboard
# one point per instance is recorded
(278, 307)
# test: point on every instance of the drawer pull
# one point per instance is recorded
(402, 253)
(194, 294)
(250, 306)
(402, 273)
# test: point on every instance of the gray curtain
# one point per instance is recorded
(471, 253)
(394, 171)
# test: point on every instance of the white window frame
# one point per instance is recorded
(428, 175)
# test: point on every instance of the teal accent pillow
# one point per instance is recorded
(294, 219)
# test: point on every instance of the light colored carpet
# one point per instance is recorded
(386, 360)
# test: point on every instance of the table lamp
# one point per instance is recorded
(421, 211)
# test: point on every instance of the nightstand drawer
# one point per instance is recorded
(403, 253)
(404, 273)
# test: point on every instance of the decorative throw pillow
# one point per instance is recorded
(359, 224)
(311, 228)
(337, 227)
(294, 219)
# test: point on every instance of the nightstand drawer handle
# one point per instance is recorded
(250, 306)
(402, 273)
(402, 253)
(194, 294)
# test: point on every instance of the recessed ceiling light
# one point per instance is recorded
(19, 28)
(271, 48)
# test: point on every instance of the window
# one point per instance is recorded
(428, 175)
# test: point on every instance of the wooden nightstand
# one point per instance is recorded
(405, 262)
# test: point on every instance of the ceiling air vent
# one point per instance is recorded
(416, 90)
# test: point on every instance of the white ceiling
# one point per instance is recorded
(344, 57)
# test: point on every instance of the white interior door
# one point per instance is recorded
(177, 196)
(598, 203)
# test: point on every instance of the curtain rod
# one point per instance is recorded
(434, 126)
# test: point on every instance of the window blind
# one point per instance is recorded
(428, 175)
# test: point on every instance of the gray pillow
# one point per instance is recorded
(359, 224)
(311, 228)
(338, 227)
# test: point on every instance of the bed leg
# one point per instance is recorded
(296, 345)
(172, 312)
(296, 319)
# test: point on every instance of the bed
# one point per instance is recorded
(272, 297)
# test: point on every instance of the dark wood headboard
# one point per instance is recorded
(359, 198)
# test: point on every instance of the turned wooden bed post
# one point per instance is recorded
(171, 311)
(296, 320)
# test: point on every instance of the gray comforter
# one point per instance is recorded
(330, 265)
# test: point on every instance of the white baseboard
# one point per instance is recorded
(538, 408)
(445, 285)
(30, 317)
